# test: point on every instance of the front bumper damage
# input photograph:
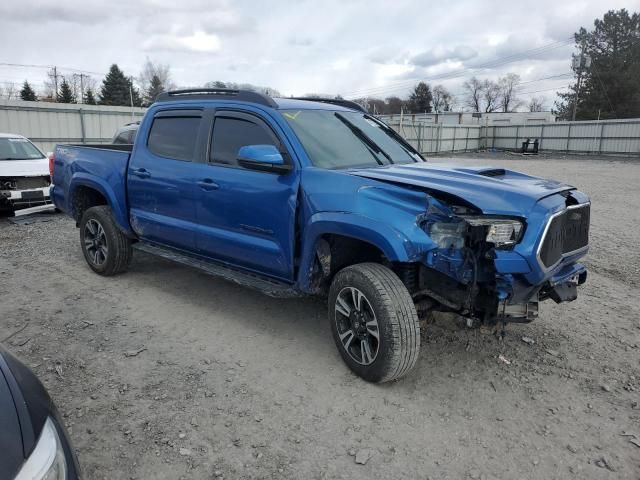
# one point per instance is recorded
(493, 285)
(33, 199)
(519, 303)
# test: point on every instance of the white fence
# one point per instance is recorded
(440, 138)
(49, 123)
(620, 137)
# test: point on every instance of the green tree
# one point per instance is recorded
(27, 93)
(65, 95)
(610, 86)
(89, 97)
(420, 99)
(155, 88)
(117, 89)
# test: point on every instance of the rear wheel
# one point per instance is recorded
(374, 322)
(106, 249)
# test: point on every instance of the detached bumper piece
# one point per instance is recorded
(517, 313)
(564, 291)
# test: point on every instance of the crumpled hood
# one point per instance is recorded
(24, 168)
(492, 190)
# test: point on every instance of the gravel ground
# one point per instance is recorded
(167, 373)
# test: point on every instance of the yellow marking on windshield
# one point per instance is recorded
(292, 116)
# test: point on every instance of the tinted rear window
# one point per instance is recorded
(174, 137)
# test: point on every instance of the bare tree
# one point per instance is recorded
(508, 92)
(491, 95)
(80, 83)
(159, 70)
(473, 93)
(441, 99)
(10, 91)
(536, 104)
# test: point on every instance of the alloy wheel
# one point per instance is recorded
(357, 325)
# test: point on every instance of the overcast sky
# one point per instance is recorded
(351, 47)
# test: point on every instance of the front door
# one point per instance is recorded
(246, 217)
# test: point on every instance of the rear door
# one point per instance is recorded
(162, 176)
(247, 217)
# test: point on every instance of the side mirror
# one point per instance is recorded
(265, 158)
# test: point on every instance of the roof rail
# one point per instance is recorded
(335, 101)
(217, 93)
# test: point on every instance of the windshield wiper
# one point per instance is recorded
(357, 131)
(397, 137)
(15, 158)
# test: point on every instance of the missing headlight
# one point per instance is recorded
(448, 234)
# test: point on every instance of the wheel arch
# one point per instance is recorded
(354, 233)
(86, 191)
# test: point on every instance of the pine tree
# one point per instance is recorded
(420, 99)
(155, 88)
(27, 94)
(89, 97)
(117, 89)
(611, 85)
(65, 95)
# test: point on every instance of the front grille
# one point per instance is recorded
(24, 183)
(567, 232)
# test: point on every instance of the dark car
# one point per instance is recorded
(34, 444)
(126, 135)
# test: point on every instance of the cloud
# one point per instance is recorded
(332, 46)
(198, 42)
(443, 54)
(300, 41)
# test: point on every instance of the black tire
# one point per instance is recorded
(388, 309)
(115, 257)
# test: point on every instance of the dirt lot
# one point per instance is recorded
(165, 372)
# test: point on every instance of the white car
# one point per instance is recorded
(24, 176)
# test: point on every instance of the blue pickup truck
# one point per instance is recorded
(316, 197)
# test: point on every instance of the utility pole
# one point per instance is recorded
(131, 95)
(580, 64)
(82, 75)
(53, 74)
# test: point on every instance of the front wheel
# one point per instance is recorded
(374, 322)
(106, 249)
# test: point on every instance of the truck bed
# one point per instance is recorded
(104, 167)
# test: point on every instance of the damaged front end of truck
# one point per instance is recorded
(495, 263)
(477, 271)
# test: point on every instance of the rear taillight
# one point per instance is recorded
(52, 161)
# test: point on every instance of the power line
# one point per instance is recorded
(69, 69)
(523, 55)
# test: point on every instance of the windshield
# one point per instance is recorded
(348, 139)
(18, 149)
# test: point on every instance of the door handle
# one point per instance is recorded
(141, 172)
(208, 184)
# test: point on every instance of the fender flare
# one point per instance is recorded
(81, 179)
(391, 242)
